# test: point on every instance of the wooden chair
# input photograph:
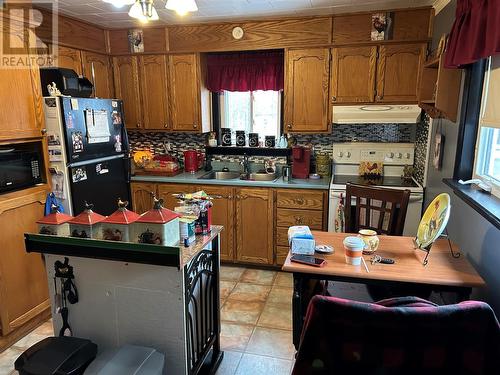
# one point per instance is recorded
(380, 209)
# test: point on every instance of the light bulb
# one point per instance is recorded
(182, 7)
(119, 3)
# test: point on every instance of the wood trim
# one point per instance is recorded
(10, 201)
(8, 339)
(295, 32)
(27, 316)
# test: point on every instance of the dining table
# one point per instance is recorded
(447, 270)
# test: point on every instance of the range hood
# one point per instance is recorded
(376, 114)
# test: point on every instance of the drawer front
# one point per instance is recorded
(307, 200)
(282, 236)
(287, 218)
(281, 254)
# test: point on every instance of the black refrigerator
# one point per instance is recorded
(89, 156)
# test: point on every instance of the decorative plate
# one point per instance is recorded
(434, 220)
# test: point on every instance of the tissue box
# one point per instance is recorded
(301, 240)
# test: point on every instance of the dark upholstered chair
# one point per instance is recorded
(380, 209)
(405, 335)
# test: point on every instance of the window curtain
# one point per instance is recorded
(475, 34)
(245, 71)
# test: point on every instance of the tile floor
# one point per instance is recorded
(256, 332)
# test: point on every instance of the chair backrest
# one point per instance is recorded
(405, 335)
(380, 209)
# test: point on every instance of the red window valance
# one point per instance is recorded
(475, 34)
(245, 71)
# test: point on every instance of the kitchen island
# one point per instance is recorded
(255, 214)
(162, 297)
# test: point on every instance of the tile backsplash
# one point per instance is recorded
(179, 142)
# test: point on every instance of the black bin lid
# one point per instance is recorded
(57, 355)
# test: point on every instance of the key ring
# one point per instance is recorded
(376, 259)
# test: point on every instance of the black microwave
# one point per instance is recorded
(20, 168)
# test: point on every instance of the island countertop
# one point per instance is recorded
(193, 179)
(173, 256)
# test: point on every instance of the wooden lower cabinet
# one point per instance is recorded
(23, 282)
(166, 191)
(255, 220)
(254, 225)
(223, 214)
(142, 196)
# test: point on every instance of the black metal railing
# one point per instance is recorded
(202, 308)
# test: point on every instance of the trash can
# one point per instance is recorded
(128, 360)
(57, 355)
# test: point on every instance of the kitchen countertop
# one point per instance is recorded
(192, 178)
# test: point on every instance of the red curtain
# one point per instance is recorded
(475, 34)
(245, 71)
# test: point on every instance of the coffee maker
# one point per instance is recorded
(301, 161)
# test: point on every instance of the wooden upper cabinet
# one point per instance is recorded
(69, 58)
(154, 90)
(127, 88)
(398, 72)
(353, 72)
(307, 74)
(103, 73)
(254, 225)
(21, 111)
(185, 99)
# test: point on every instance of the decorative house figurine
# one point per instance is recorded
(86, 225)
(116, 227)
(55, 223)
(158, 226)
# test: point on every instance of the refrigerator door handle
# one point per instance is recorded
(93, 161)
(128, 169)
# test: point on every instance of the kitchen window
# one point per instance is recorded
(487, 164)
(251, 111)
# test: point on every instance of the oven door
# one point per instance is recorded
(336, 211)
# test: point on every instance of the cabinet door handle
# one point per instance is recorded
(300, 201)
(380, 97)
(138, 125)
(334, 98)
(289, 126)
(43, 131)
(165, 126)
(195, 126)
(229, 197)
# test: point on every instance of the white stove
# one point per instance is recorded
(394, 156)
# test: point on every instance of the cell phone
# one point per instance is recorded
(309, 260)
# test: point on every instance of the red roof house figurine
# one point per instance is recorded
(116, 227)
(159, 226)
(86, 225)
(55, 223)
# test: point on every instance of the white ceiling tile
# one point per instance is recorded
(96, 11)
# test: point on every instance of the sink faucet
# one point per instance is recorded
(245, 164)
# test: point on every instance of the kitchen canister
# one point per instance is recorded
(225, 136)
(253, 139)
(240, 138)
(270, 141)
(323, 164)
(371, 240)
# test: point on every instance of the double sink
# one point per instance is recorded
(229, 175)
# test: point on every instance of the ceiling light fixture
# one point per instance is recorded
(182, 7)
(144, 11)
(119, 3)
